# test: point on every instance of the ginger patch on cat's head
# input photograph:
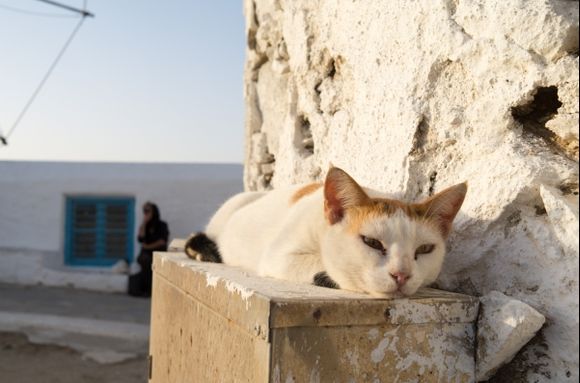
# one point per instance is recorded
(304, 191)
(342, 194)
(377, 208)
(438, 211)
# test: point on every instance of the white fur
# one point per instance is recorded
(355, 266)
(266, 233)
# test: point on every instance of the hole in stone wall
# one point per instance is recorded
(255, 13)
(282, 50)
(540, 110)
(540, 209)
(329, 95)
(568, 188)
(253, 30)
(267, 168)
(432, 180)
(318, 93)
(305, 140)
(260, 60)
(331, 69)
(317, 88)
(251, 39)
(534, 115)
(420, 137)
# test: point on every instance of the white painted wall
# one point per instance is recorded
(32, 210)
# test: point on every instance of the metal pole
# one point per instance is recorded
(68, 7)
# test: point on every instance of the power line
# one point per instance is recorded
(33, 13)
(3, 139)
(83, 12)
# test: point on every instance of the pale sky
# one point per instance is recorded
(145, 80)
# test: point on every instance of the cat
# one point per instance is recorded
(334, 234)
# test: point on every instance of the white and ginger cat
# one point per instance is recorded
(337, 234)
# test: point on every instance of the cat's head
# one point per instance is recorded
(384, 246)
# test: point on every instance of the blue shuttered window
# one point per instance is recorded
(99, 230)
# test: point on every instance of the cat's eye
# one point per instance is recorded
(374, 243)
(424, 249)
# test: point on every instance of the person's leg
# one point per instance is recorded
(147, 278)
(134, 287)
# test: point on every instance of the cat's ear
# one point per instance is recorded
(444, 206)
(340, 193)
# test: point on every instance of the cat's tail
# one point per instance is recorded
(202, 248)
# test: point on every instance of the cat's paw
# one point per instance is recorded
(202, 248)
(323, 280)
(189, 250)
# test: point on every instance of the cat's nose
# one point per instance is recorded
(400, 278)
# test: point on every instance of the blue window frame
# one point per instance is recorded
(99, 230)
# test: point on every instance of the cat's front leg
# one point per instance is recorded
(296, 266)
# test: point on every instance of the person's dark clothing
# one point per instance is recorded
(154, 231)
(140, 284)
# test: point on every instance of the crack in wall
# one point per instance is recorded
(432, 181)
(304, 140)
(420, 137)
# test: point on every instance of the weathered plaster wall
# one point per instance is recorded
(411, 97)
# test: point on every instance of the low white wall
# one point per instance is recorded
(32, 210)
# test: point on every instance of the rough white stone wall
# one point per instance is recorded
(413, 96)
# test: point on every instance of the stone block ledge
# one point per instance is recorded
(265, 329)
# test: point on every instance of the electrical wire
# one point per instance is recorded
(4, 138)
(68, 7)
(33, 13)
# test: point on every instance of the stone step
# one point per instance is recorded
(100, 340)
